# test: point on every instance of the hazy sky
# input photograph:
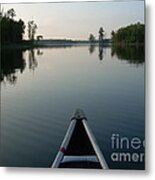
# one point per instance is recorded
(77, 20)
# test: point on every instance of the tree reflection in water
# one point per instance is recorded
(100, 50)
(131, 54)
(39, 52)
(91, 48)
(32, 60)
(100, 55)
(13, 62)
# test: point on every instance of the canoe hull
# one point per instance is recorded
(79, 148)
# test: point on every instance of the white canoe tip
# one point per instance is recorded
(78, 115)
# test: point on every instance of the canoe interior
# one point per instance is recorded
(79, 165)
(80, 145)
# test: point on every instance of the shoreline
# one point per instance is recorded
(64, 44)
(45, 44)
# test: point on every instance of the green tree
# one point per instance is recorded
(1, 13)
(32, 27)
(91, 38)
(11, 30)
(11, 13)
(101, 34)
(132, 34)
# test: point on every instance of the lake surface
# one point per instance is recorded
(41, 88)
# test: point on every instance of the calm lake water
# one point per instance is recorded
(41, 88)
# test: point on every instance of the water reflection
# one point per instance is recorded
(13, 61)
(39, 52)
(32, 60)
(91, 48)
(100, 50)
(100, 55)
(132, 54)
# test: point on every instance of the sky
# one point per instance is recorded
(78, 19)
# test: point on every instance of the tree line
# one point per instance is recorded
(132, 34)
(100, 38)
(12, 31)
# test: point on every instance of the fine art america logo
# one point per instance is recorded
(126, 149)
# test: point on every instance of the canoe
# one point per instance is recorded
(79, 148)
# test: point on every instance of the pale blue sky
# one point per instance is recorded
(77, 20)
